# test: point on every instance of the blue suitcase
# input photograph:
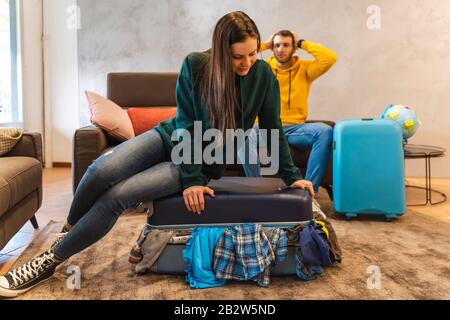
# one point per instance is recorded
(238, 200)
(368, 168)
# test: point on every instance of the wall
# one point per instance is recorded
(32, 68)
(46, 36)
(61, 79)
(405, 62)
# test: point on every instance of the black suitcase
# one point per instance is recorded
(239, 200)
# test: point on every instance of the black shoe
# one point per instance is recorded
(24, 278)
(60, 237)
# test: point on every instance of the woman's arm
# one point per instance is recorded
(192, 178)
(191, 173)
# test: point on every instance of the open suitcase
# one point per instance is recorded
(239, 200)
(368, 168)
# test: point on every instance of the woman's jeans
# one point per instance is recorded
(315, 136)
(135, 171)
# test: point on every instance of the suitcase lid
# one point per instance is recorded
(238, 200)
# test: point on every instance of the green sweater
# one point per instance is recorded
(259, 97)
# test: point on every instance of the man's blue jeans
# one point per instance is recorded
(135, 171)
(315, 136)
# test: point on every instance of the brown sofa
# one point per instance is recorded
(20, 186)
(134, 90)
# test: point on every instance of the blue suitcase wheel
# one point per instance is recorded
(350, 216)
(391, 217)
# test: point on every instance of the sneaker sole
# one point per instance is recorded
(7, 293)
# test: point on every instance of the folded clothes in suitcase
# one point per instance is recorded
(239, 200)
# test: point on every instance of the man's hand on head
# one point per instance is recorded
(269, 43)
(296, 39)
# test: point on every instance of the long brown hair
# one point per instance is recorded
(217, 80)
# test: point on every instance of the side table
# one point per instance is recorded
(427, 153)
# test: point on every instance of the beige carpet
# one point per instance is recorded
(412, 254)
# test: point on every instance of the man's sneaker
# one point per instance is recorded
(29, 275)
(60, 236)
(136, 255)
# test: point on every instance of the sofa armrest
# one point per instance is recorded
(88, 144)
(30, 145)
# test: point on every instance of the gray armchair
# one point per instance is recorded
(20, 186)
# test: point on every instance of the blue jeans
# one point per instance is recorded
(135, 171)
(315, 136)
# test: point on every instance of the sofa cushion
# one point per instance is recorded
(110, 117)
(4, 196)
(144, 119)
(22, 175)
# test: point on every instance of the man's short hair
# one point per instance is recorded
(284, 33)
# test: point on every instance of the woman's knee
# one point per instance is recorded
(114, 202)
(101, 169)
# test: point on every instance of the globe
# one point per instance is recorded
(405, 117)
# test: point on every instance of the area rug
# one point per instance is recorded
(404, 259)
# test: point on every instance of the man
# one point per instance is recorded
(295, 77)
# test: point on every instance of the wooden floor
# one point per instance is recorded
(58, 195)
(441, 211)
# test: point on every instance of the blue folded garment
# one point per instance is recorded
(198, 254)
(314, 248)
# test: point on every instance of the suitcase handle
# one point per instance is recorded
(367, 119)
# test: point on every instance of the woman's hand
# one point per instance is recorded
(194, 199)
(304, 184)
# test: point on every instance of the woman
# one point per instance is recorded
(225, 88)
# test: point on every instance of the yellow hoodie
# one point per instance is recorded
(296, 81)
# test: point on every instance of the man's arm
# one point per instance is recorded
(325, 59)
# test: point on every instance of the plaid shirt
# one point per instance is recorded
(245, 252)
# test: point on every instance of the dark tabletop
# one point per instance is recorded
(421, 151)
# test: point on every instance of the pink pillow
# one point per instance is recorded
(110, 117)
